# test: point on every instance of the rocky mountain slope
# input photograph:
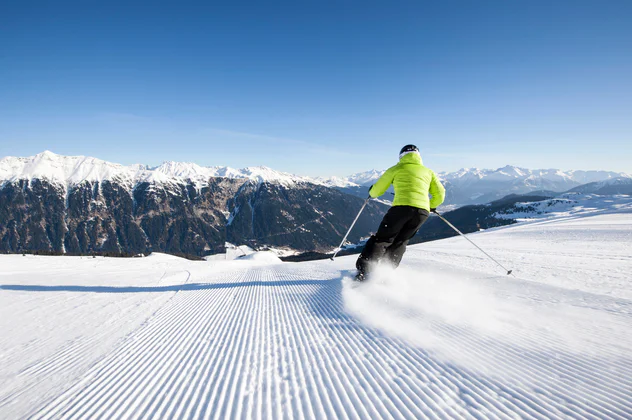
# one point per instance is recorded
(82, 205)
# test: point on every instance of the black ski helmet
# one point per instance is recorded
(409, 148)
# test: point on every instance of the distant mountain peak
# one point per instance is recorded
(465, 186)
(72, 170)
(47, 154)
(513, 170)
(477, 186)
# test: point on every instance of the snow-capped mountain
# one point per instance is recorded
(198, 173)
(565, 205)
(478, 186)
(73, 170)
(67, 169)
(531, 177)
(465, 186)
(621, 185)
(365, 178)
(360, 179)
(79, 205)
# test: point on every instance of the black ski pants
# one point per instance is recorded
(399, 225)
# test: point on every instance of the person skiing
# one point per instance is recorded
(411, 207)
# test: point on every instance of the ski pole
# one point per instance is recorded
(351, 227)
(460, 233)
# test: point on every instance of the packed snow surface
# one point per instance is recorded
(447, 335)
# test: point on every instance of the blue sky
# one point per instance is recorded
(319, 87)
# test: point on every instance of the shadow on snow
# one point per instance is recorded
(156, 289)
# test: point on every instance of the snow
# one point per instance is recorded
(65, 169)
(263, 257)
(585, 177)
(469, 184)
(337, 182)
(234, 251)
(567, 205)
(258, 174)
(596, 186)
(514, 179)
(513, 173)
(366, 178)
(72, 170)
(447, 335)
(358, 179)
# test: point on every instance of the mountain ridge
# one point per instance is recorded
(82, 205)
(73, 170)
(581, 176)
(479, 186)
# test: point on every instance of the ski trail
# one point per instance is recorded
(546, 374)
(439, 338)
(76, 355)
(281, 341)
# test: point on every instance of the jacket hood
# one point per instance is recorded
(411, 158)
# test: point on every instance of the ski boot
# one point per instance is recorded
(360, 276)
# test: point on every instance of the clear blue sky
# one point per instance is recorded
(320, 87)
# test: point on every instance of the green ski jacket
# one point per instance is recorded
(413, 182)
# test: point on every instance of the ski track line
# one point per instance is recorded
(243, 382)
(270, 343)
(306, 386)
(490, 355)
(361, 402)
(316, 383)
(219, 351)
(375, 349)
(67, 355)
(600, 370)
(532, 374)
(197, 354)
(157, 344)
(181, 397)
(168, 307)
(225, 377)
(341, 404)
(97, 405)
(312, 324)
(341, 344)
(172, 357)
(475, 346)
(75, 352)
(527, 341)
(161, 404)
(344, 346)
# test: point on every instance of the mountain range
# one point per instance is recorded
(479, 186)
(82, 205)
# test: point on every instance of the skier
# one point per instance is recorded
(411, 207)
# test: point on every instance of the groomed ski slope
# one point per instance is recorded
(444, 336)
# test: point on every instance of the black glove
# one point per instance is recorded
(433, 210)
